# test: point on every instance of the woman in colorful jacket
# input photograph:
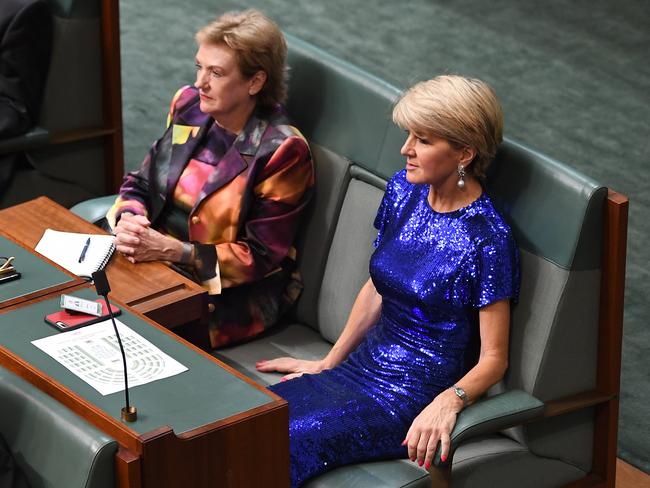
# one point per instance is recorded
(221, 193)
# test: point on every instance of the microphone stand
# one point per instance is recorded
(129, 413)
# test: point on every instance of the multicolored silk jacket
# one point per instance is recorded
(245, 218)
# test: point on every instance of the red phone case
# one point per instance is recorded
(64, 320)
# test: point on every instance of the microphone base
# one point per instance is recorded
(129, 414)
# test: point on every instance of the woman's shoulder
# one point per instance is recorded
(487, 224)
(280, 123)
(186, 103)
(280, 131)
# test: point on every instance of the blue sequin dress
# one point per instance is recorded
(433, 271)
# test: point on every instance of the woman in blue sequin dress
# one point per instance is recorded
(428, 333)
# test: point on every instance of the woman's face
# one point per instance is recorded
(432, 160)
(225, 93)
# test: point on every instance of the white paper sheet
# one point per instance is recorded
(93, 354)
(65, 248)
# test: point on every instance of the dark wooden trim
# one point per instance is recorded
(112, 95)
(612, 293)
(128, 469)
(249, 453)
(575, 402)
(81, 135)
(174, 306)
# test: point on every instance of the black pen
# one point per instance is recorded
(83, 252)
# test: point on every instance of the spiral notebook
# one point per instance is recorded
(66, 248)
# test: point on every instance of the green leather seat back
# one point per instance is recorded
(51, 444)
(337, 105)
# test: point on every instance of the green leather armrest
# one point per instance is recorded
(95, 209)
(52, 445)
(491, 415)
(33, 139)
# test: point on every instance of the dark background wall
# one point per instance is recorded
(573, 77)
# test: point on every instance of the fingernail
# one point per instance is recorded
(283, 379)
(427, 465)
(412, 459)
(443, 458)
(420, 462)
(404, 442)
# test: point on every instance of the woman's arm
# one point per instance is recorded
(364, 314)
(281, 192)
(437, 420)
(134, 193)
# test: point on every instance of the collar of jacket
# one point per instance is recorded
(233, 162)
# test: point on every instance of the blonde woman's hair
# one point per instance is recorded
(259, 46)
(464, 111)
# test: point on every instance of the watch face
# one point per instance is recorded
(460, 393)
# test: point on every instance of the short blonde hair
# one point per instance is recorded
(259, 46)
(464, 111)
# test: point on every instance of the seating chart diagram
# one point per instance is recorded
(93, 354)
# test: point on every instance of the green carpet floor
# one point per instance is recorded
(573, 77)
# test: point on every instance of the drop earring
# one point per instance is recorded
(461, 176)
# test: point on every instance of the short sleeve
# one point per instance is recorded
(380, 220)
(496, 270)
(383, 216)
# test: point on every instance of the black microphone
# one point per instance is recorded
(129, 412)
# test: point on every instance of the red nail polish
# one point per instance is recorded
(412, 459)
(427, 465)
(443, 458)
(420, 462)
(283, 379)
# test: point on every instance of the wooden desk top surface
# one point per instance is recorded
(150, 288)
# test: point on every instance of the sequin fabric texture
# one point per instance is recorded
(433, 271)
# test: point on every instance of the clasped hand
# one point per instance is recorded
(434, 424)
(138, 242)
(295, 367)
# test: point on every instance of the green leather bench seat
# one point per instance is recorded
(52, 445)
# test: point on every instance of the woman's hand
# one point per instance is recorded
(296, 367)
(138, 242)
(433, 424)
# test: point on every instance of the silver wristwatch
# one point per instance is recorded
(460, 393)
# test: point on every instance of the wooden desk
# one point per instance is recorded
(207, 427)
(150, 288)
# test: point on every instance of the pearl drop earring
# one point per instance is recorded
(461, 176)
